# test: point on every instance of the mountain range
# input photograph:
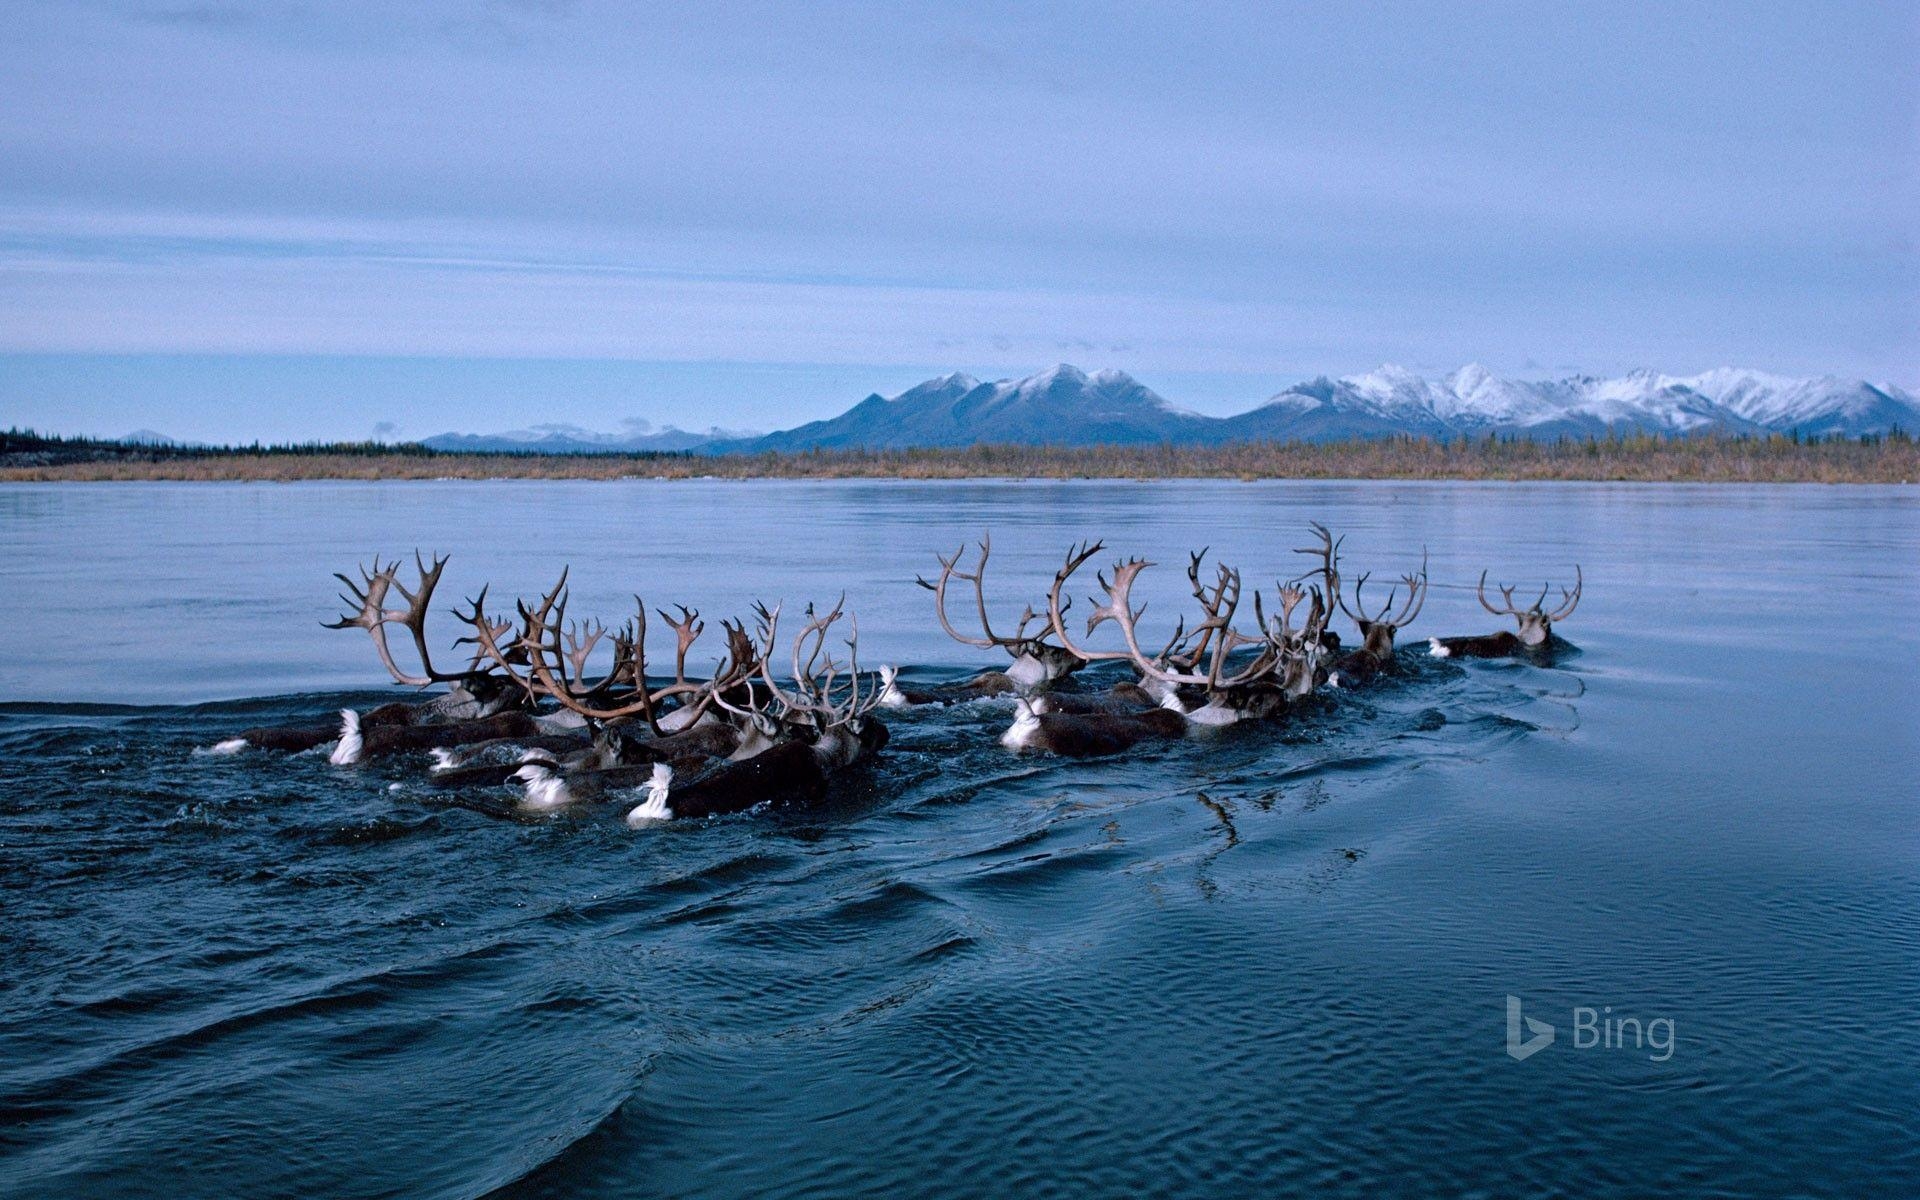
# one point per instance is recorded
(1065, 406)
(639, 437)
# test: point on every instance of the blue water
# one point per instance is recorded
(1272, 961)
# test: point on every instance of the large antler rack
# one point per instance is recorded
(1188, 650)
(1416, 585)
(1280, 632)
(816, 675)
(1569, 600)
(1328, 552)
(557, 653)
(1217, 637)
(549, 655)
(369, 597)
(1016, 645)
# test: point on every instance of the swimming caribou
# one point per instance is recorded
(1377, 629)
(566, 710)
(528, 707)
(1535, 635)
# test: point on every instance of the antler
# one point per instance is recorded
(1569, 599)
(949, 570)
(1416, 595)
(687, 631)
(1416, 585)
(1328, 552)
(370, 597)
(1058, 604)
(856, 707)
(1508, 611)
(815, 672)
(550, 655)
(1220, 603)
(485, 639)
(1292, 595)
(1225, 590)
(949, 567)
(549, 661)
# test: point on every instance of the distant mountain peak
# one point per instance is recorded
(1055, 373)
(1390, 374)
(1061, 405)
(1469, 377)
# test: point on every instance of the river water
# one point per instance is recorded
(1271, 960)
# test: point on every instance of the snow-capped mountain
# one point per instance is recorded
(1813, 406)
(1472, 400)
(1061, 406)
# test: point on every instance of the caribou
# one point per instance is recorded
(814, 734)
(529, 707)
(1378, 628)
(537, 703)
(1214, 673)
(1535, 634)
(1193, 673)
(1303, 649)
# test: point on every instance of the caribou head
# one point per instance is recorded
(1301, 650)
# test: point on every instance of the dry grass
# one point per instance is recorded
(1636, 459)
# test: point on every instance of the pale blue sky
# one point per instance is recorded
(295, 220)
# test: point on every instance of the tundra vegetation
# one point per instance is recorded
(1642, 458)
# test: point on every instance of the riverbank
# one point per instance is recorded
(1630, 459)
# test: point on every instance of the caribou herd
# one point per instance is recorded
(775, 720)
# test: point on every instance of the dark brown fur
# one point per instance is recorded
(1092, 736)
(399, 739)
(292, 739)
(981, 686)
(1122, 699)
(1504, 644)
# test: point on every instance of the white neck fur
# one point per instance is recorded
(1214, 713)
(1026, 723)
(543, 786)
(347, 752)
(654, 807)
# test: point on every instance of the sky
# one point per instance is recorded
(230, 220)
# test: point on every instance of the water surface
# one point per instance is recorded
(1264, 962)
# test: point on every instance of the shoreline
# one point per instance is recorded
(1729, 461)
